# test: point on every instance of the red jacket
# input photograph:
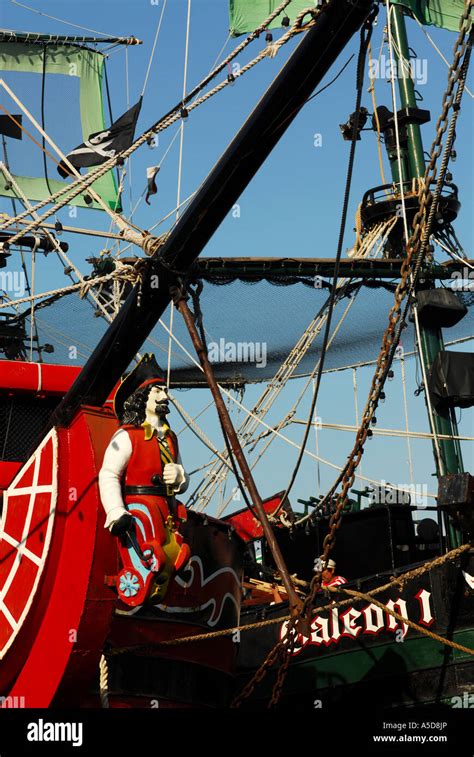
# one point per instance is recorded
(146, 460)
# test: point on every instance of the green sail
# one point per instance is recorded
(69, 60)
(247, 15)
(445, 14)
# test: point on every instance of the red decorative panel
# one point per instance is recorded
(25, 534)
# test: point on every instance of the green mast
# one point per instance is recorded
(431, 339)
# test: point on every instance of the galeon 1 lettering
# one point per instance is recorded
(44, 731)
(369, 620)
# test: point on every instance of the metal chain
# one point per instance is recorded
(430, 174)
(283, 650)
(286, 653)
(414, 250)
(408, 276)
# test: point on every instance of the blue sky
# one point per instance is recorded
(292, 208)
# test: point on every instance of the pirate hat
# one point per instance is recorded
(147, 371)
(319, 564)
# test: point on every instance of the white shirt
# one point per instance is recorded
(116, 459)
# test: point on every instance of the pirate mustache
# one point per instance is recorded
(162, 406)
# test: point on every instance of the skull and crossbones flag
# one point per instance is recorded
(103, 144)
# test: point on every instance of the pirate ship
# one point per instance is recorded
(249, 608)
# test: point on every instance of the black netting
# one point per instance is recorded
(250, 329)
(21, 421)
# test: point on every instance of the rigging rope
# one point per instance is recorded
(365, 35)
(180, 170)
(453, 255)
(410, 269)
(401, 581)
(356, 404)
(43, 85)
(61, 254)
(437, 448)
(387, 431)
(157, 34)
(272, 657)
(30, 136)
(61, 20)
(230, 454)
(289, 366)
(436, 48)
(24, 267)
(104, 681)
(32, 308)
(71, 190)
(371, 89)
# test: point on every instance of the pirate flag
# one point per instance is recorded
(152, 189)
(103, 144)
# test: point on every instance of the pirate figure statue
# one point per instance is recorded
(141, 474)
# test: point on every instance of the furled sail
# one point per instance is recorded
(61, 86)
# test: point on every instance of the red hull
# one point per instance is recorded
(59, 613)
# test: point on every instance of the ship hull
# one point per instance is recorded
(60, 612)
(359, 653)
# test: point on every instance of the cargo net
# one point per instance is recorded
(251, 327)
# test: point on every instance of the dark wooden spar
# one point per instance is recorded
(279, 106)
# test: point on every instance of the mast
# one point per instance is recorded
(279, 106)
(431, 339)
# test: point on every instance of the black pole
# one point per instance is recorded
(310, 61)
(32, 38)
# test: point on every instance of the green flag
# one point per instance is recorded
(86, 67)
(247, 15)
(445, 14)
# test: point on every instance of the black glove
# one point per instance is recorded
(122, 524)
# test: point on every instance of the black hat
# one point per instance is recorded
(147, 371)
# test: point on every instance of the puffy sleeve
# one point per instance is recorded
(116, 458)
